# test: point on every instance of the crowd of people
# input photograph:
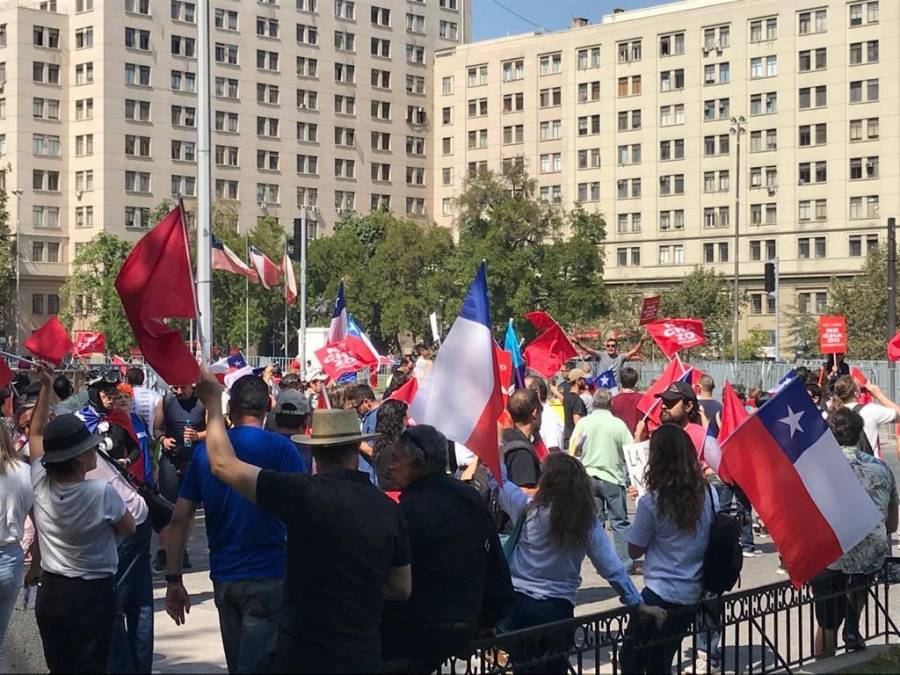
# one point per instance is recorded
(344, 537)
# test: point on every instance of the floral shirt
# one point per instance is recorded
(868, 556)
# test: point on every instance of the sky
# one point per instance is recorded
(490, 20)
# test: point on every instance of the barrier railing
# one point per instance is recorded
(759, 630)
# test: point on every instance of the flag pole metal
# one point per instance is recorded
(284, 258)
(247, 298)
(301, 346)
(204, 224)
(892, 299)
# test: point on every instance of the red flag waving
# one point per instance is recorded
(673, 335)
(549, 350)
(345, 356)
(893, 348)
(733, 412)
(155, 283)
(50, 342)
(87, 342)
(406, 392)
(648, 403)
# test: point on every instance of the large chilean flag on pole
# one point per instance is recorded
(789, 464)
(461, 394)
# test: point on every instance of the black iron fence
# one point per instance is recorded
(766, 629)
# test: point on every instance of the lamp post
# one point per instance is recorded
(17, 193)
(737, 129)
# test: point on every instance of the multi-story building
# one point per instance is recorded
(632, 117)
(322, 104)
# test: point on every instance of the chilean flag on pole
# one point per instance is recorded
(338, 329)
(290, 281)
(789, 464)
(269, 272)
(461, 394)
(223, 258)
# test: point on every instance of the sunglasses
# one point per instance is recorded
(670, 403)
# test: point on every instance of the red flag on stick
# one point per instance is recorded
(673, 335)
(406, 392)
(549, 350)
(541, 320)
(345, 356)
(50, 342)
(648, 403)
(87, 342)
(155, 283)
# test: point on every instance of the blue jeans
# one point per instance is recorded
(12, 558)
(546, 654)
(131, 650)
(611, 506)
(729, 493)
(249, 617)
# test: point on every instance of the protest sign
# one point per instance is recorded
(636, 460)
(649, 310)
(832, 335)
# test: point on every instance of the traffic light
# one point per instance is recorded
(770, 277)
(298, 233)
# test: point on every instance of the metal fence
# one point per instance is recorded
(759, 630)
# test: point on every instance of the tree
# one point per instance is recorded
(93, 279)
(7, 268)
(862, 300)
(703, 294)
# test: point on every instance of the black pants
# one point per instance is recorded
(75, 617)
(546, 654)
(651, 650)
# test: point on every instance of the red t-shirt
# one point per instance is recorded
(624, 406)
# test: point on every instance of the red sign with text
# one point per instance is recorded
(832, 335)
(649, 310)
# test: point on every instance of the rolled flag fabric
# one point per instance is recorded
(337, 331)
(223, 258)
(50, 342)
(269, 272)
(290, 281)
(792, 469)
(155, 283)
(673, 335)
(87, 342)
(460, 395)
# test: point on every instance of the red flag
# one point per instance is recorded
(893, 348)
(673, 335)
(87, 342)
(322, 400)
(648, 403)
(50, 342)
(541, 320)
(406, 392)
(505, 371)
(345, 356)
(155, 283)
(122, 363)
(859, 377)
(6, 374)
(549, 350)
(733, 412)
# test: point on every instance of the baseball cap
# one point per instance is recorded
(678, 390)
(291, 402)
(576, 374)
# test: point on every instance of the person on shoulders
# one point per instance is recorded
(612, 359)
(333, 600)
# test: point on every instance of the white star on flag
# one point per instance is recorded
(793, 420)
(604, 381)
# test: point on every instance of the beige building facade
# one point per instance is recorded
(317, 105)
(632, 117)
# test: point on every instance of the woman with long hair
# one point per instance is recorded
(558, 527)
(671, 529)
(390, 424)
(15, 502)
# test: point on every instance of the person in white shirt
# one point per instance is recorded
(147, 403)
(874, 414)
(15, 503)
(77, 522)
(423, 363)
(551, 430)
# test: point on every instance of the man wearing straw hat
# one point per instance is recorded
(347, 549)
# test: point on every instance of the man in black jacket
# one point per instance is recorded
(460, 580)
(523, 467)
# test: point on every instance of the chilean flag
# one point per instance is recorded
(461, 394)
(223, 258)
(269, 272)
(290, 281)
(606, 380)
(339, 323)
(789, 464)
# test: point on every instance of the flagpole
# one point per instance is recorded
(204, 250)
(301, 346)
(247, 298)
(284, 258)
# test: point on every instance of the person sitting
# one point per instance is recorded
(460, 579)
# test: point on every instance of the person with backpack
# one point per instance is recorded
(554, 530)
(671, 528)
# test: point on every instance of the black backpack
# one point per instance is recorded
(723, 559)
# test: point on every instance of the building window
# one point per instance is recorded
(815, 21)
(862, 13)
(629, 52)
(763, 29)
(512, 70)
(588, 58)
(864, 91)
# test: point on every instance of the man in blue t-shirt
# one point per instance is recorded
(246, 544)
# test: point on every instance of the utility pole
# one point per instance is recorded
(737, 129)
(892, 298)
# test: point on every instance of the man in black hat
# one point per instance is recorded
(461, 583)
(679, 406)
(347, 550)
(290, 417)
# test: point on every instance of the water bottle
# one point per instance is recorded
(187, 441)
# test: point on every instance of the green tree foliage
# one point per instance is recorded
(862, 300)
(93, 277)
(703, 294)
(7, 266)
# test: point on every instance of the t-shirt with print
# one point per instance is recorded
(74, 523)
(245, 542)
(874, 415)
(867, 557)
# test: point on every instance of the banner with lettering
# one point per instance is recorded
(649, 310)
(832, 335)
(673, 335)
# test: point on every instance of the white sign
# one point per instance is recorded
(435, 333)
(636, 460)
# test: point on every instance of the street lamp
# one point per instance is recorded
(737, 129)
(17, 193)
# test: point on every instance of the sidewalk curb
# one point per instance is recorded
(846, 662)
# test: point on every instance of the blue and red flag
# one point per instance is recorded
(338, 329)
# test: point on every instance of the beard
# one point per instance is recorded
(668, 416)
